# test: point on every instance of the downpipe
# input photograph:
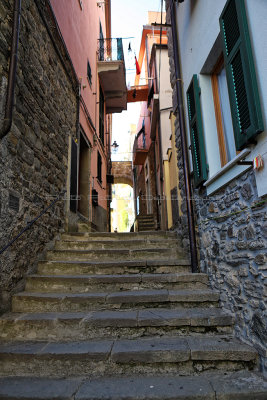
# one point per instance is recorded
(190, 213)
(12, 70)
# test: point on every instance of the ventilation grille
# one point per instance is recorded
(13, 202)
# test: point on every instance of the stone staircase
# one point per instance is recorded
(121, 317)
(146, 223)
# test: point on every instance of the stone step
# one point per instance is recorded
(188, 355)
(123, 244)
(113, 267)
(45, 302)
(118, 236)
(115, 254)
(213, 386)
(114, 324)
(94, 283)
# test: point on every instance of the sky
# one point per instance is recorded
(127, 20)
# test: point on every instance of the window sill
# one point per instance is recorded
(227, 173)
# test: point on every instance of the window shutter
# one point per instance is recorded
(241, 75)
(196, 133)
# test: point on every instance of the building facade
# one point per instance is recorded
(34, 161)
(62, 77)
(223, 75)
(99, 64)
(156, 187)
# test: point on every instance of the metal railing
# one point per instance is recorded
(29, 224)
(110, 49)
(140, 141)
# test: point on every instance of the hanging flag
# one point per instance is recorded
(138, 71)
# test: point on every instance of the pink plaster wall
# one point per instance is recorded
(80, 30)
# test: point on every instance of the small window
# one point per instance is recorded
(101, 116)
(99, 167)
(223, 113)
(89, 73)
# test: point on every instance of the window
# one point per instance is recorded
(235, 91)
(89, 73)
(144, 134)
(101, 43)
(241, 75)
(196, 133)
(223, 113)
(99, 167)
(101, 115)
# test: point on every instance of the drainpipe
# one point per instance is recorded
(12, 70)
(190, 215)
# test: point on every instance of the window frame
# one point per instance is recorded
(89, 72)
(218, 110)
(101, 116)
(99, 167)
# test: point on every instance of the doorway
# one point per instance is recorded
(84, 177)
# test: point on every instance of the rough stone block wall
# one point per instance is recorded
(182, 226)
(33, 156)
(233, 251)
(232, 242)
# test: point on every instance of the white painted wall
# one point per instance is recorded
(198, 29)
(165, 99)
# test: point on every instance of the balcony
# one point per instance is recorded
(111, 71)
(140, 148)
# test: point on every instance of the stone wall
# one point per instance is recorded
(232, 240)
(122, 172)
(233, 251)
(34, 154)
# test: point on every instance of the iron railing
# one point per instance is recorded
(140, 141)
(110, 49)
(29, 224)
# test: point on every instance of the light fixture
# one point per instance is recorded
(114, 146)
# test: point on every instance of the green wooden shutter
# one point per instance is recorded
(241, 75)
(196, 133)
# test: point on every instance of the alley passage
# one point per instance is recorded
(121, 316)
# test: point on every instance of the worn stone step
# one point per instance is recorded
(216, 386)
(113, 267)
(115, 254)
(118, 236)
(113, 324)
(96, 357)
(45, 302)
(94, 283)
(123, 244)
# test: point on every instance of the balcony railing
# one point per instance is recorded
(140, 148)
(110, 49)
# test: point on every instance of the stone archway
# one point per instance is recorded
(122, 172)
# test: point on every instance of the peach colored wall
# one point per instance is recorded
(80, 30)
